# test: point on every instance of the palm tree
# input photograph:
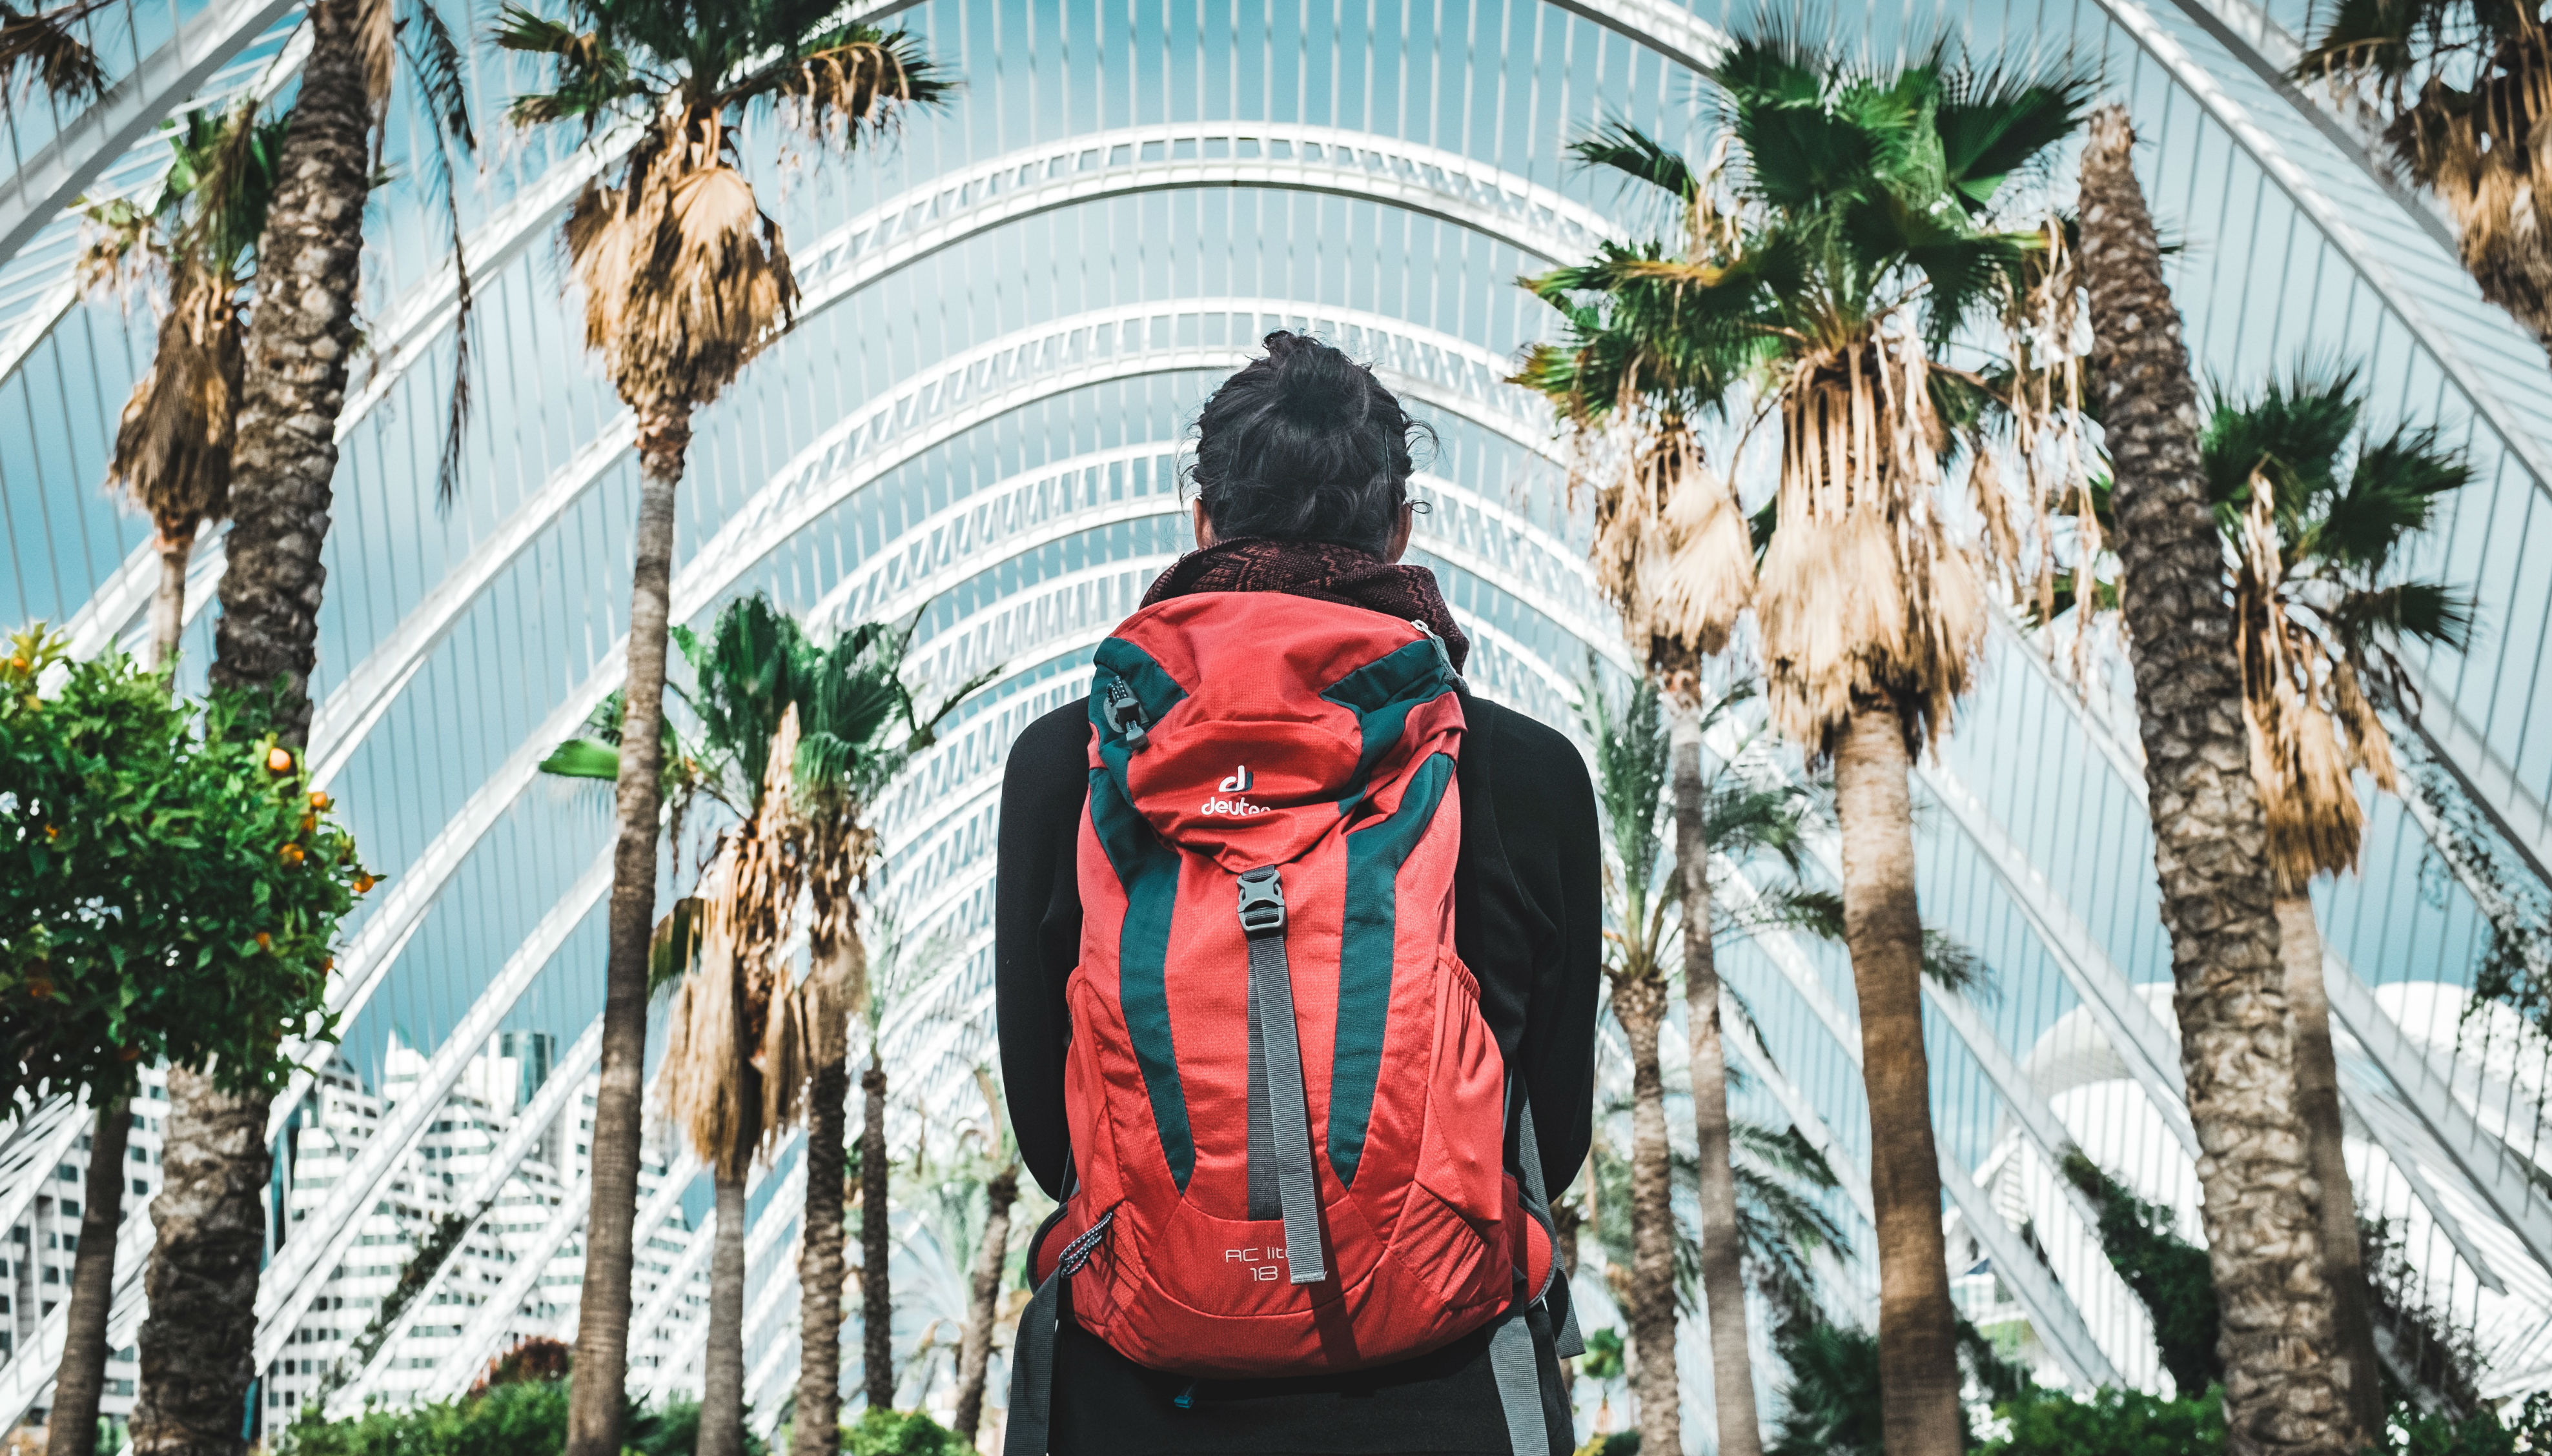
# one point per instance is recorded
(2283, 1388)
(1728, 816)
(171, 457)
(2465, 84)
(854, 696)
(1848, 229)
(1629, 782)
(684, 281)
(198, 243)
(2315, 510)
(991, 1256)
(195, 1344)
(758, 678)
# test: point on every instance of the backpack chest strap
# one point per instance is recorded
(1280, 1123)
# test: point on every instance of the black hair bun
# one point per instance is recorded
(1305, 445)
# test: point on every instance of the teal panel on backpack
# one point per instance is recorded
(1375, 854)
(1153, 687)
(1149, 872)
(1381, 695)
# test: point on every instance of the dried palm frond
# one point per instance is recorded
(735, 1057)
(839, 849)
(2310, 726)
(40, 45)
(1670, 549)
(378, 31)
(2043, 405)
(172, 446)
(685, 277)
(1865, 597)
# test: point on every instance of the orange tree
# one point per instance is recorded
(170, 884)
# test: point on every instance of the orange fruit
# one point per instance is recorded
(309, 824)
(278, 760)
(292, 854)
(265, 942)
(364, 884)
(318, 799)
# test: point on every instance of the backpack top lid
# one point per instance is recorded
(1247, 726)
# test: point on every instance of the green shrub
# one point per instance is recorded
(2527, 1429)
(522, 1419)
(528, 1419)
(2110, 1422)
(901, 1433)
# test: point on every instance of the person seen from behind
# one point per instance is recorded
(1298, 946)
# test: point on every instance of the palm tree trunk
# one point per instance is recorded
(597, 1396)
(2283, 1387)
(876, 1299)
(196, 1365)
(975, 1349)
(1723, 1270)
(2317, 1099)
(819, 1429)
(1918, 1359)
(1639, 1003)
(169, 598)
(722, 1376)
(210, 1216)
(72, 1428)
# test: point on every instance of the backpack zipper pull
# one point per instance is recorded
(1125, 713)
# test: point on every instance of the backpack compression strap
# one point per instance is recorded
(1280, 1125)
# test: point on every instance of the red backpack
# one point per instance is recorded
(1289, 1118)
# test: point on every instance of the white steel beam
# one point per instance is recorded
(48, 181)
(478, 1199)
(293, 1277)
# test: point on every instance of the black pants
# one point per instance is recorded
(1442, 1404)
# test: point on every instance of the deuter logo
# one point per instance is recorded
(1237, 783)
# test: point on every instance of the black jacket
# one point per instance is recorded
(1527, 921)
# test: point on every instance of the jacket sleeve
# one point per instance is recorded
(1549, 810)
(1037, 930)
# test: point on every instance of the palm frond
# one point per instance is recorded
(842, 86)
(1636, 154)
(582, 758)
(435, 58)
(1816, 912)
(2428, 611)
(41, 48)
(2000, 121)
(2395, 489)
(1951, 965)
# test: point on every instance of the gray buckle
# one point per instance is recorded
(1262, 902)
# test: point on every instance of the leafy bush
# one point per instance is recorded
(2528, 1430)
(528, 1419)
(522, 1419)
(901, 1433)
(168, 888)
(1833, 1396)
(2110, 1422)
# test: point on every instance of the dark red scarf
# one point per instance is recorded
(1320, 569)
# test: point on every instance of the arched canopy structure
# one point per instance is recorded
(1009, 317)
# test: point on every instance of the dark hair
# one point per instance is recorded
(1305, 445)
